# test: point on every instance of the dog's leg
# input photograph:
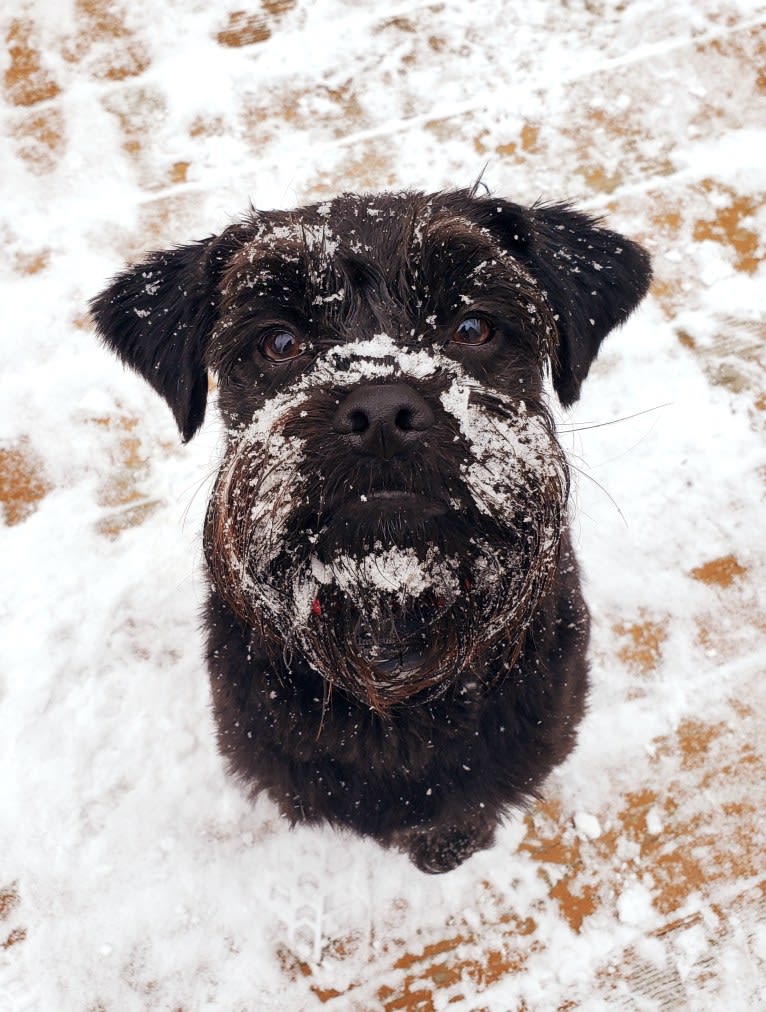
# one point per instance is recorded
(439, 850)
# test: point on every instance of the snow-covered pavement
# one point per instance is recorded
(134, 874)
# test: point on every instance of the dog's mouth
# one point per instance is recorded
(363, 522)
(386, 503)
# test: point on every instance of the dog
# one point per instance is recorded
(396, 634)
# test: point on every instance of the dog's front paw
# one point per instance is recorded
(441, 850)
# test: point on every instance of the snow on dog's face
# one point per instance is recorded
(393, 496)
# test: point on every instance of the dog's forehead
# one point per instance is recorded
(385, 231)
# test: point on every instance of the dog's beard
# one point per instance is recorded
(394, 597)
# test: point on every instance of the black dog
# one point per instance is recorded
(396, 634)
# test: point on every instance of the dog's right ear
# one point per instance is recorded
(158, 316)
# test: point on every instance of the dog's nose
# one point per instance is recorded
(383, 419)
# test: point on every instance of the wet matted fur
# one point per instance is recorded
(396, 636)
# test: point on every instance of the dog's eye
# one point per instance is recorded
(474, 331)
(280, 346)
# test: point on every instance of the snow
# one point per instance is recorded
(634, 905)
(138, 875)
(395, 570)
(587, 825)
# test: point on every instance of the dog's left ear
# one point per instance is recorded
(158, 315)
(593, 279)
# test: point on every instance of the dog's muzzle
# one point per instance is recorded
(389, 532)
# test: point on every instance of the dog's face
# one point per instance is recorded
(393, 496)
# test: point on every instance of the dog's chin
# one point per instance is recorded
(386, 652)
(396, 650)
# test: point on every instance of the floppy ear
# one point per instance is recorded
(158, 315)
(593, 278)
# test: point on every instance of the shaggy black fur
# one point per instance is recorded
(414, 715)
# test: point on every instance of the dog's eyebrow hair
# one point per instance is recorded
(269, 270)
(455, 239)
(270, 250)
(463, 243)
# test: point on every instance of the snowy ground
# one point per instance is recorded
(133, 874)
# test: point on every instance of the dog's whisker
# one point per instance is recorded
(587, 426)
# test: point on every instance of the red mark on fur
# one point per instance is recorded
(316, 607)
(441, 601)
(467, 585)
